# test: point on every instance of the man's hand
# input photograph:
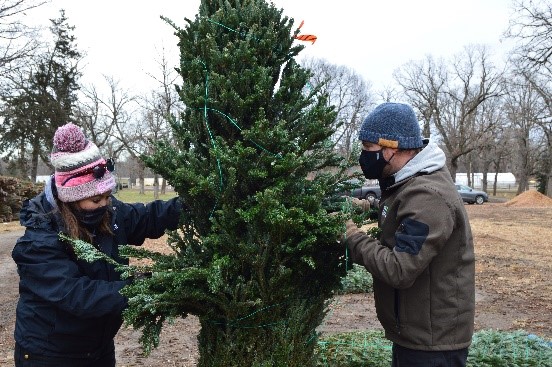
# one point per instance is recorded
(362, 204)
(350, 229)
(374, 203)
(139, 276)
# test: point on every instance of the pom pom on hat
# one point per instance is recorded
(392, 125)
(69, 138)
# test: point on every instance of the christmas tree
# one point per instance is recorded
(257, 257)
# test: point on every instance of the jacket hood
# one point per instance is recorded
(51, 192)
(430, 159)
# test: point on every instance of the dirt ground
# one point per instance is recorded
(513, 244)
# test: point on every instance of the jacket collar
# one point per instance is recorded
(430, 159)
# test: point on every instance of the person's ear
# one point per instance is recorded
(389, 153)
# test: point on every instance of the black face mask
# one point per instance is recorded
(91, 218)
(372, 163)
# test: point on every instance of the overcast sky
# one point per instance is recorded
(122, 38)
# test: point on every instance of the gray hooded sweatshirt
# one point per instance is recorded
(423, 262)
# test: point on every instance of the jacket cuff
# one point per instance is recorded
(350, 229)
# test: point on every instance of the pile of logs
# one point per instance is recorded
(13, 191)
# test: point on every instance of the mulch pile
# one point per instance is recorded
(530, 199)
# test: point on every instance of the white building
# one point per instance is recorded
(42, 179)
(503, 180)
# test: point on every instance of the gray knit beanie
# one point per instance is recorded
(392, 125)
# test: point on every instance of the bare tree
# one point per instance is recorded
(152, 128)
(169, 102)
(449, 96)
(349, 93)
(543, 88)
(389, 94)
(492, 144)
(108, 119)
(159, 108)
(123, 123)
(501, 153)
(41, 97)
(17, 39)
(94, 116)
(531, 24)
(523, 107)
(424, 83)
(123, 107)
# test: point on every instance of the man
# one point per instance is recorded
(423, 261)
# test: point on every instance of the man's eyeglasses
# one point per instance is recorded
(97, 171)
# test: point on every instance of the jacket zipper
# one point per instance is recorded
(397, 312)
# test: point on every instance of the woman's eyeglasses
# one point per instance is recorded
(97, 171)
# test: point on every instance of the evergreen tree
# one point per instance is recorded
(42, 100)
(257, 257)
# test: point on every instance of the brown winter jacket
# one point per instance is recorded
(423, 264)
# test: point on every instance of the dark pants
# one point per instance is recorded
(404, 357)
(24, 358)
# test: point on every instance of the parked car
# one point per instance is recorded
(471, 196)
(362, 191)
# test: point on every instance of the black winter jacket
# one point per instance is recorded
(68, 307)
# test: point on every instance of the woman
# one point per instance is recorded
(69, 310)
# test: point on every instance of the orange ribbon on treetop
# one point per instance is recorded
(305, 37)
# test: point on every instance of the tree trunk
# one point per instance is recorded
(283, 335)
(34, 165)
(21, 163)
(453, 168)
(497, 168)
(156, 187)
(548, 188)
(163, 186)
(523, 183)
(142, 185)
(35, 156)
(141, 181)
(469, 174)
(484, 181)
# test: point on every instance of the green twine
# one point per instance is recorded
(205, 116)
(243, 34)
(211, 138)
(347, 208)
(236, 321)
(279, 155)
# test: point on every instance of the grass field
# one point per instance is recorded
(133, 195)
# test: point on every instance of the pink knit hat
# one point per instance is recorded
(80, 171)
